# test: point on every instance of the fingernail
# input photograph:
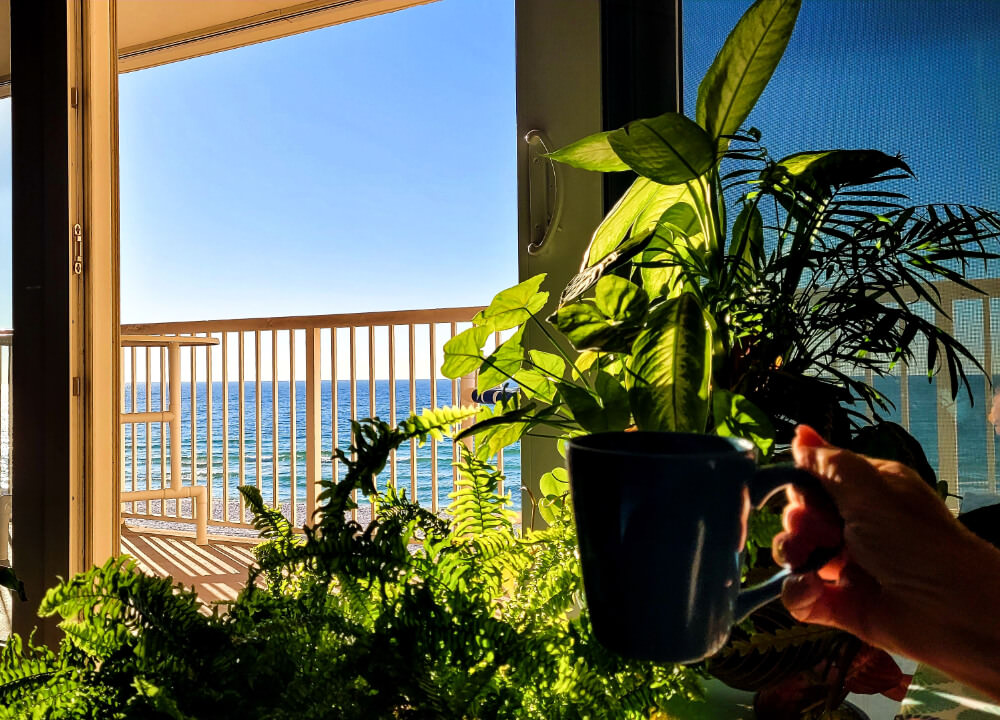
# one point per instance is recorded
(806, 436)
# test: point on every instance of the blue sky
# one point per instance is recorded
(367, 166)
(371, 165)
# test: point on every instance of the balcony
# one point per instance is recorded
(265, 406)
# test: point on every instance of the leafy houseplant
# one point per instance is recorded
(731, 292)
(413, 616)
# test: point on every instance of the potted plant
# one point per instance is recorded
(734, 293)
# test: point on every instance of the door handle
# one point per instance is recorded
(544, 192)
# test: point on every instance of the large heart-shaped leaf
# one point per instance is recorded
(669, 149)
(670, 367)
(593, 152)
(554, 488)
(513, 306)
(610, 321)
(463, 353)
(743, 67)
(502, 364)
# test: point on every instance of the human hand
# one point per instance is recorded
(909, 577)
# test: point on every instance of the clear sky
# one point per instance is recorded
(366, 166)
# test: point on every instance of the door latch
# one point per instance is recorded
(77, 249)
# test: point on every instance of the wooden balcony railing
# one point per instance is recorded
(269, 403)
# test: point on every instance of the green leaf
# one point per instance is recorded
(591, 153)
(620, 300)
(735, 416)
(554, 487)
(555, 482)
(680, 219)
(669, 370)
(668, 149)
(748, 236)
(502, 363)
(535, 384)
(513, 306)
(588, 328)
(584, 405)
(614, 399)
(463, 353)
(585, 360)
(547, 362)
(635, 215)
(834, 168)
(743, 67)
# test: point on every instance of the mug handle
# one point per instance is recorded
(764, 483)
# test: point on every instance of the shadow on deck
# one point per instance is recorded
(217, 571)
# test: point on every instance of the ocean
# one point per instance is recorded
(292, 470)
(974, 436)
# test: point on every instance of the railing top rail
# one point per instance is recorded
(298, 322)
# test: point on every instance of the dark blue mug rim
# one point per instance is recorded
(707, 445)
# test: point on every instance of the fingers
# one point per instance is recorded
(847, 477)
(840, 604)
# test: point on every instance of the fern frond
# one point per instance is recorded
(476, 507)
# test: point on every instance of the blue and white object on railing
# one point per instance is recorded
(493, 395)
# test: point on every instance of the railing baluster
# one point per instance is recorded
(193, 390)
(132, 428)
(991, 472)
(163, 435)
(256, 413)
(147, 428)
(314, 421)
(241, 408)
(947, 431)
(225, 427)
(431, 327)
(334, 400)
(371, 382)
(292, 432)
(354, 407)
(275, 495)
(209, 412)
(413, 409)
(392, 399)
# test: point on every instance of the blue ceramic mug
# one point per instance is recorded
(661, 520)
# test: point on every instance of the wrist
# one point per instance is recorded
(971, 652)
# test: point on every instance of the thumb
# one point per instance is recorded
(844, 604)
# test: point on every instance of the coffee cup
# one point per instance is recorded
(661, 522)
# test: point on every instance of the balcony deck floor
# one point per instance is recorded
(217, 571)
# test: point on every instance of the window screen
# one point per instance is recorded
(911, 76)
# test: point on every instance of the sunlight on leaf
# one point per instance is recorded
(501, 365)
(670, 367)
(668, 149)
(513, 306)
(463, 353)
(743, 67)
(591, 153)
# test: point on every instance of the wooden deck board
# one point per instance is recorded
(217, 571)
